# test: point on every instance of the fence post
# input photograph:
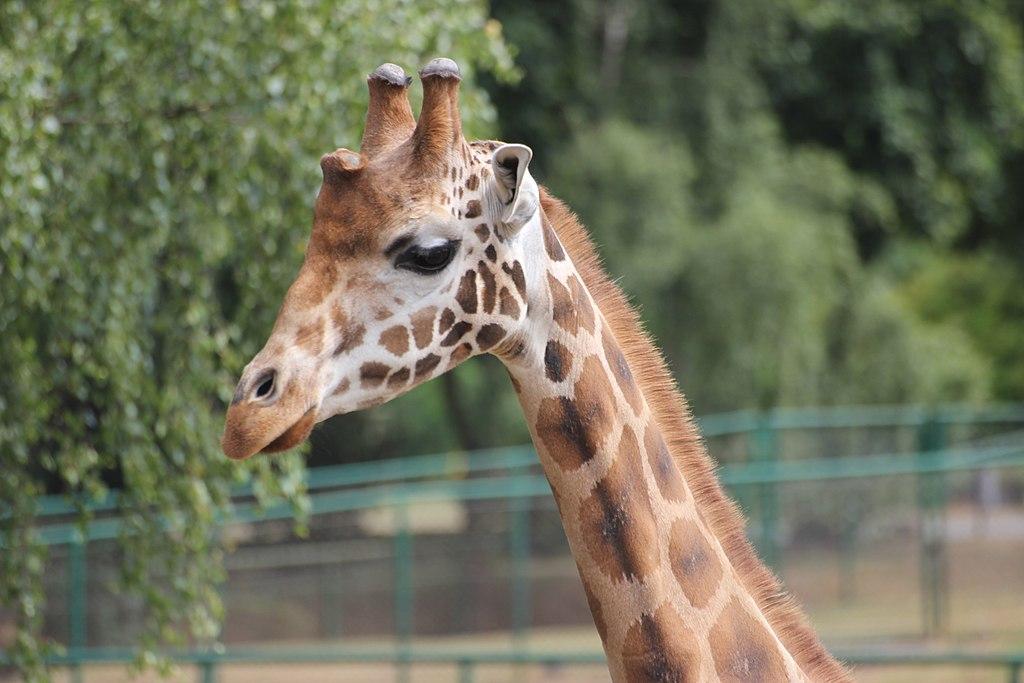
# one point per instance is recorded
(519, 549)
(764, 449)
(330, 601)
(848, 559)
(931, 501)
(208, 671)
(403, 590)
(77, 617)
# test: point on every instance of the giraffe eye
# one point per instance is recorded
(427, 260)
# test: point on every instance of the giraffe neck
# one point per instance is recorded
(666, 601)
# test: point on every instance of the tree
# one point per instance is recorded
(159, 169)
(819, 141)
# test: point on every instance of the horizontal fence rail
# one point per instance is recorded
(519, 457)
(530, 485)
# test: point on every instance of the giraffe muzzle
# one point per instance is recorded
(247, 433)
(268, 414)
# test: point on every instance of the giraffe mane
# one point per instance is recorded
(673, 415)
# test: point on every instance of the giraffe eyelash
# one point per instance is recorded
(428, 260)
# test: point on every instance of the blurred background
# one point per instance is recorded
(817, 206)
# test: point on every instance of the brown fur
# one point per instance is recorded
(742, 649)
(389, 120)
(684, 441)
(659, 647)
(695, 564)
(250, 429)
(616, 520)
(423, 326)
(507, 304)
(395, 339)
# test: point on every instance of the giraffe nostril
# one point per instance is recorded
(265, 385)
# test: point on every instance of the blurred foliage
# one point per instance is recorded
(786, 187)
(811, 202)
(979, 294)
(160, 162)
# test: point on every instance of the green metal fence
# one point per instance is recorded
(511, 475)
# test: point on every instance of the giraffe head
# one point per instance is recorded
(415, 263)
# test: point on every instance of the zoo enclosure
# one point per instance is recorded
(763, 454)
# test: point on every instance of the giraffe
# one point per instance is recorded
(427, 250)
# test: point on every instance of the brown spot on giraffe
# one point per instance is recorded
(472, 182)
(351, 337)
(473, 208)
(694, 562)
(489, 335)
(457, 332)
(507, 304)
(491, 253)
(659, 647)
(557, 361)
(311, 337)
(515, 271)
(580, 298)
(482, 232)
(490, 290)
(466, 296)
(423, 326)
(562, 309)
(666, 472)
(342, 387)
(743, 649)
(620, 370)
(398, 378)
(395, 339)
(572, 429)
(461, 353)
(426, 365)
(372, 374)
(551, 243)
(616, 519)
(446, 321)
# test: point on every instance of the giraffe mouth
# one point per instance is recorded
(294, 435)
(249, 430)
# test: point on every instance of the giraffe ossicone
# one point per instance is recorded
(427, 250)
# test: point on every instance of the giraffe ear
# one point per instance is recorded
(516, 188)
